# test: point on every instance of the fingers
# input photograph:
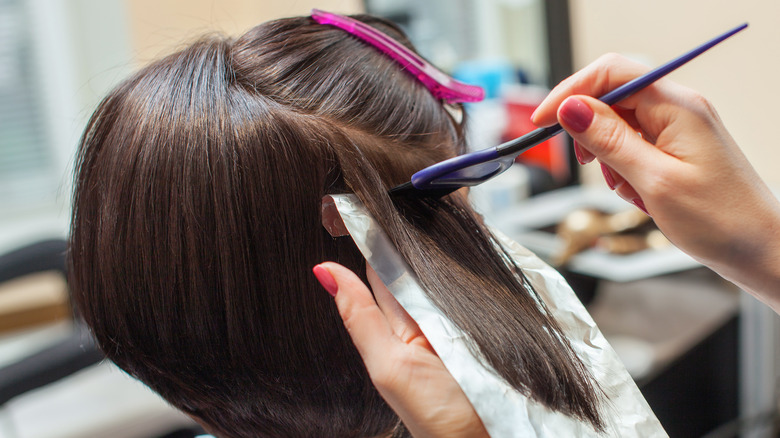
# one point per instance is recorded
(402, 324)
(584, 156)
(410, 379)
(624, 154)
(376, 322)
(623, 189)
(602, 132)
(367, 325)
(603, 75)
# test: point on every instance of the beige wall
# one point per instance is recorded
(159, 26)
(740, 76)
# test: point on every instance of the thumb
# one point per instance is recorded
(600, 130)
(367, 325)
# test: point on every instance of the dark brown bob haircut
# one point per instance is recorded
(196, 222)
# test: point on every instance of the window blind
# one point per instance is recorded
(25, 153)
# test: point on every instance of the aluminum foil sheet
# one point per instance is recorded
(503, 410)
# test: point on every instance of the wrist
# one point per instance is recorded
(755, 268)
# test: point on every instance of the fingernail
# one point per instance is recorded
(326, 280)
(575, 114)
(609, 178)
(583, 156)
(578, 153)
(533, 114)
(640, 205)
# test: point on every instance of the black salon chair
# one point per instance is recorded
(76, 352)
(65, 357)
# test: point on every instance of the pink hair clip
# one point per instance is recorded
(441, 85)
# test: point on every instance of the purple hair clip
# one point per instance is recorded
(441, 85)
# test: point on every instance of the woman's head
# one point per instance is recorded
(197, 221)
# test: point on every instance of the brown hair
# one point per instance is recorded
(196, 222)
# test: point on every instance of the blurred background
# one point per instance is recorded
(703, 353)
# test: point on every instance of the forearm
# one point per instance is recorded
(686, 169)
(756, 268)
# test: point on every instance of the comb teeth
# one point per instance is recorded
(410, 191)
(402, 189)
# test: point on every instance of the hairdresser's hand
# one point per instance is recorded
(684, 169)
(401, 363)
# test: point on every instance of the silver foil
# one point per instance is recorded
(504, 411)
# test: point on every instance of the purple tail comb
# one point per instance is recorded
(477, 167)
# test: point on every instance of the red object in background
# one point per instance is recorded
(553, 154)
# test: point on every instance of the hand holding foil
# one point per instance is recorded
(401, 362)
(503, 411)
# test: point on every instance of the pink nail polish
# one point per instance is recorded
(326, 280)
(640, 205)
(583, 155)
(575, 114)
(608, 177)
(578, 153)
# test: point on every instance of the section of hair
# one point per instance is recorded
(455, 257)
(196, 221)
(476, 284)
